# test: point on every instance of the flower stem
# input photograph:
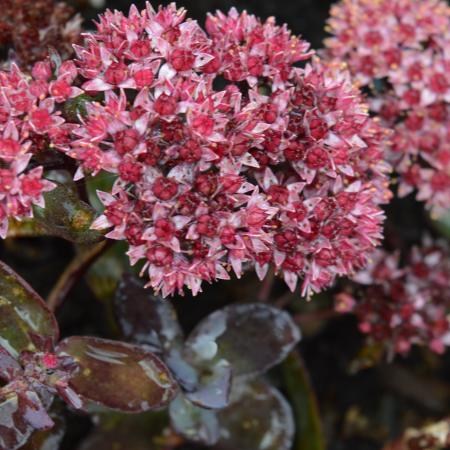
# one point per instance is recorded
(78, 266)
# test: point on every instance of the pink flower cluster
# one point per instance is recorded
(227, 155)
(29, 123)
(402, 305)
(400, 50)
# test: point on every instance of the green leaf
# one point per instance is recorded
(66, 216)
(119, 376)
(442, 224)
(309, 434)
(22, 311)
(75, 107)
(103, 181)
(251, 337)
(259, 418)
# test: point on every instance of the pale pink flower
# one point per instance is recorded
(400, 305)
(399, 52)
(29, 123)
(281, 167)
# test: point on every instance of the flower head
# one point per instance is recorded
(227, 156)
(405, 304)
(398, 51)
(29, 123)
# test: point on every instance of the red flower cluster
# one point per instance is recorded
(29, 123)
(404, 305)
(227, 155)
(400, 50)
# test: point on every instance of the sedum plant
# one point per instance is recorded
(173, 156)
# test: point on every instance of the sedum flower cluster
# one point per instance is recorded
(228, 155)
(399, 51)
(30, 122)
(400, 305)
(231, 146)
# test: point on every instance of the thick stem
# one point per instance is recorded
(79, 265)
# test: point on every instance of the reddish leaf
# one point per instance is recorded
(119, 376)
(251, 337)
(22, 311)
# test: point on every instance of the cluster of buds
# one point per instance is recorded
(399, 51)
(30, 123)
(29, 27)
(401, 305)
(227, 156)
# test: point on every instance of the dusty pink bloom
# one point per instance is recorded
(29, 123)
(404, 304)
(399, 51)
(280, 166)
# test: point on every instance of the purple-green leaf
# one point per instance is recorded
(13, 430)
(21, 413)
(259, 418)
(22, 311)
(213, 391)
(119, 376)
(47, 439)
(186, 375)
(145, 318)
(9, 367)
(194, 423)
(251, 337)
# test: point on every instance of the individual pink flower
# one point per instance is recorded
(29, 123)
(399, 52)
(281, 166)
(400, 305)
